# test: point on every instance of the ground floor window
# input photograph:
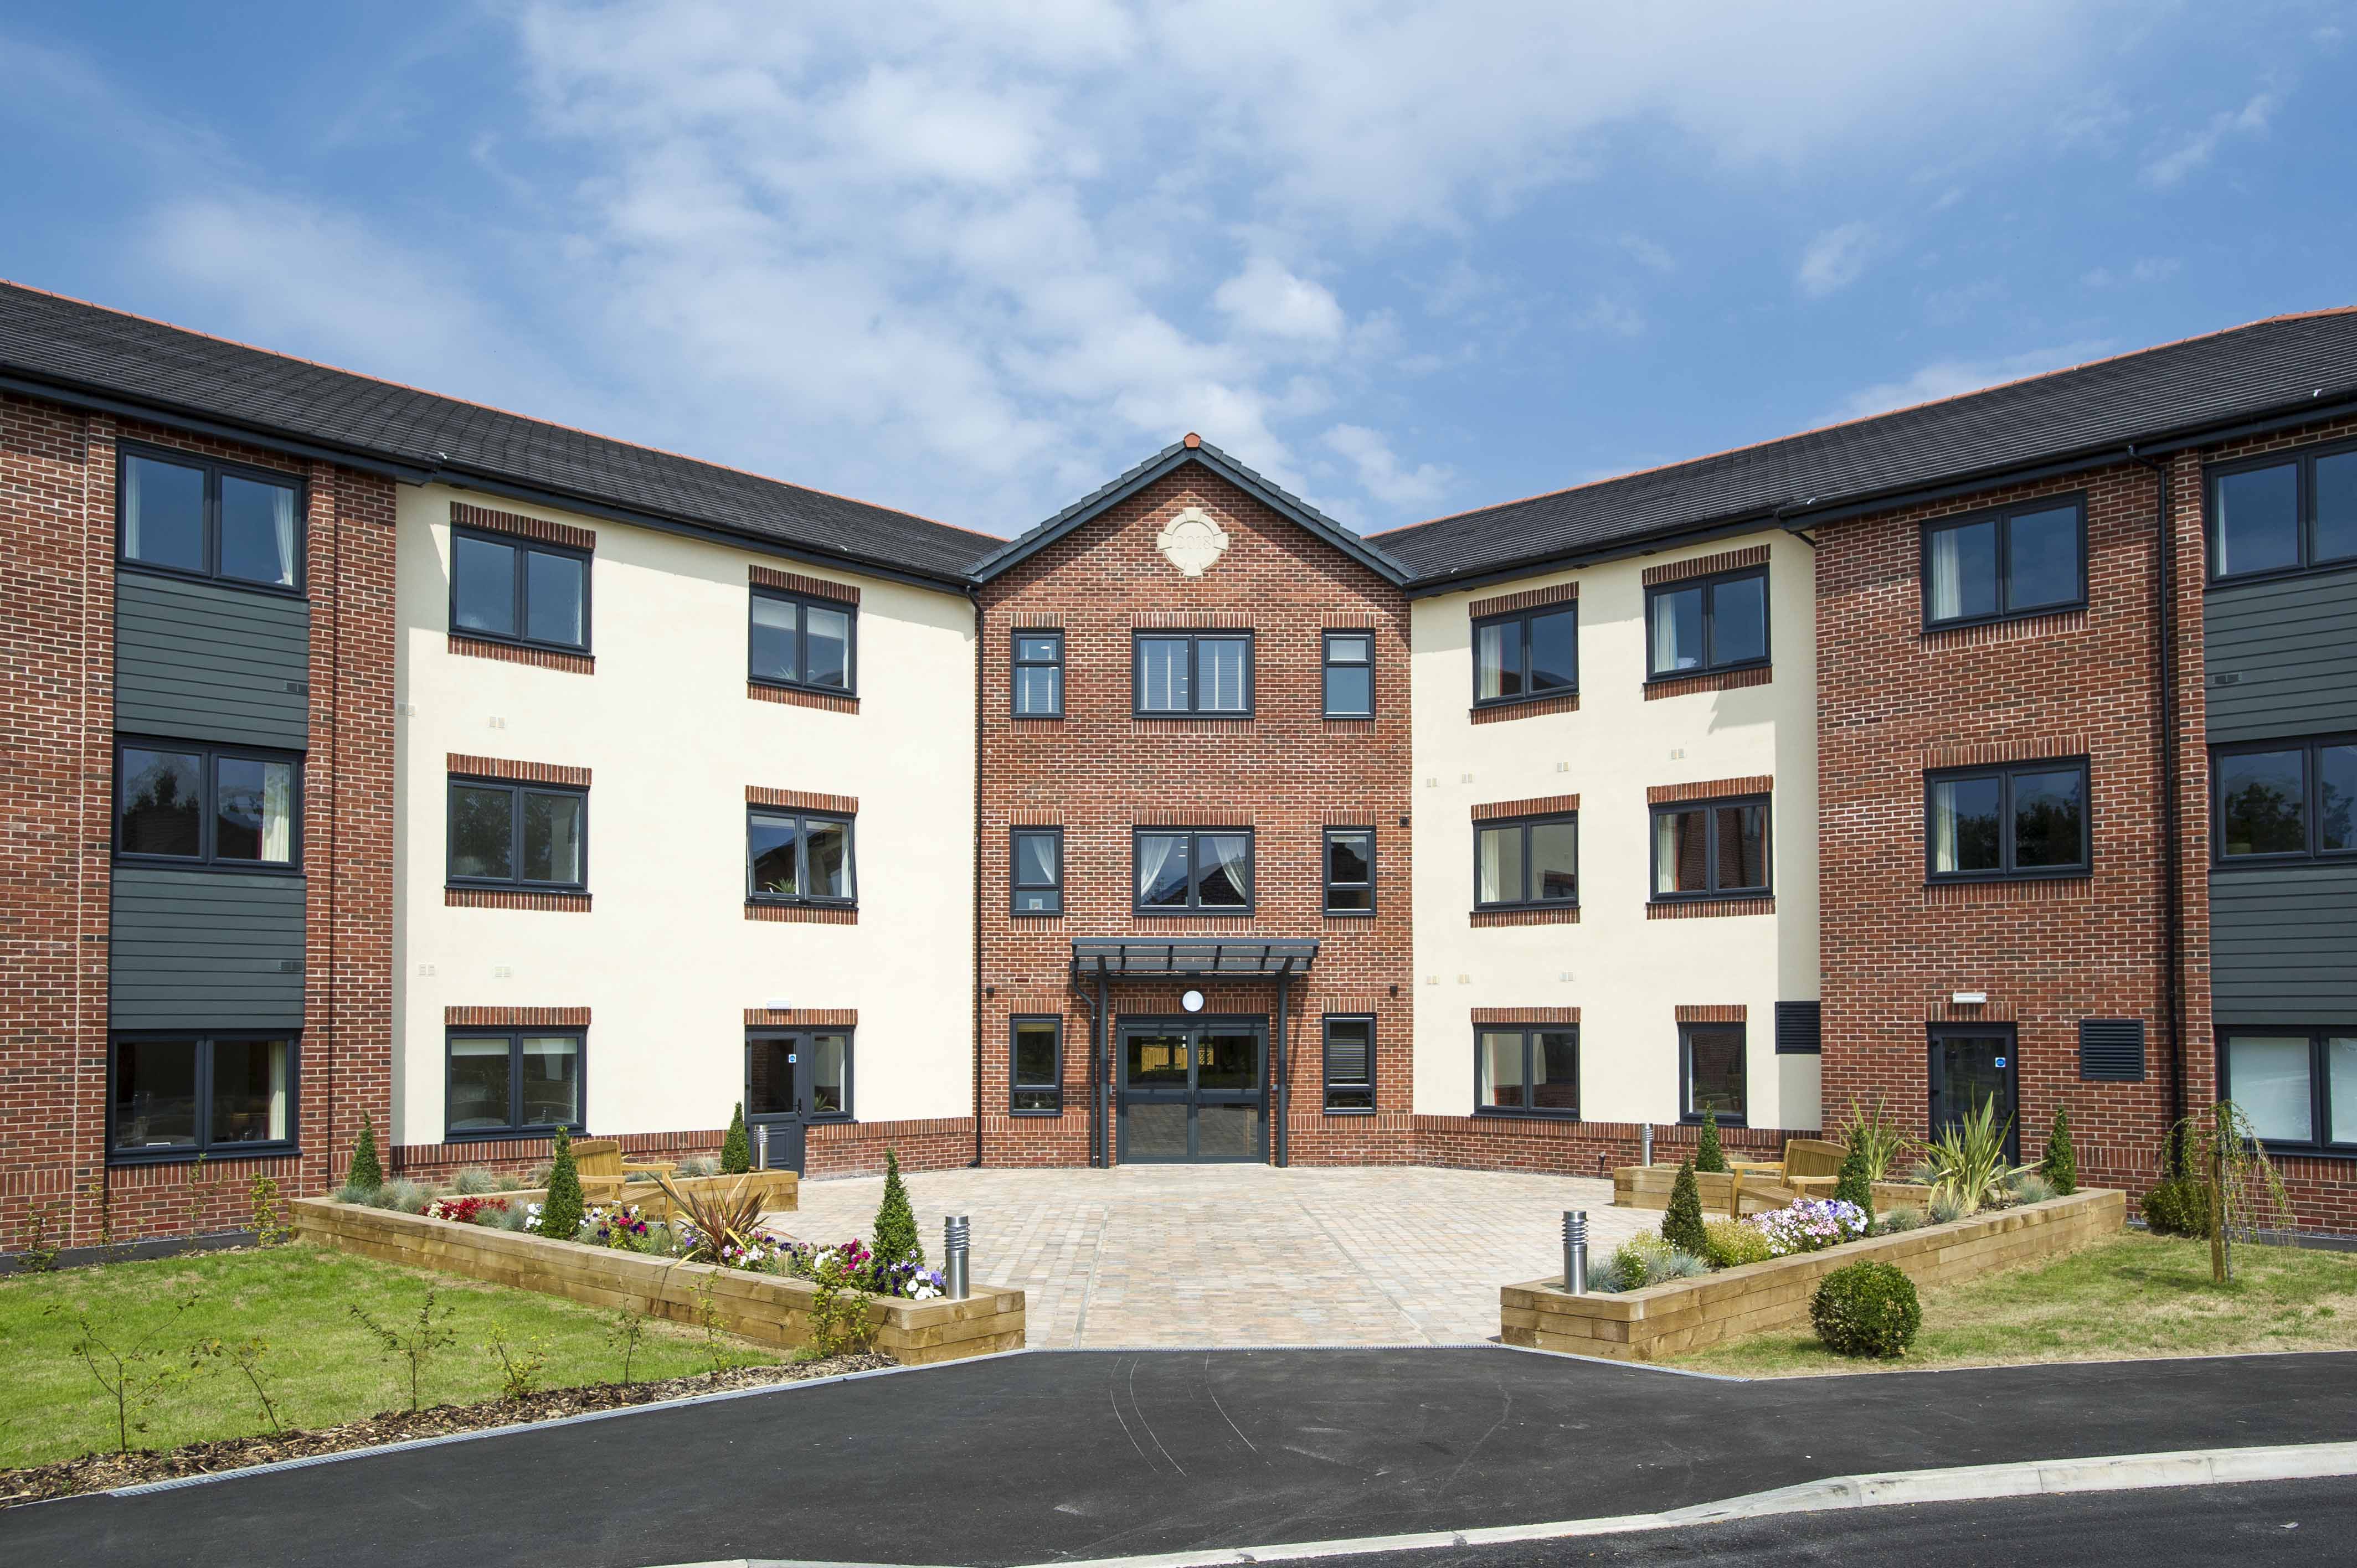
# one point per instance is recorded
(1527, 1072)
(1350, 1064)
(175, 1096)
(1710, 1067)
(2299, 1086)
(1036, 1056)
(513, 1083)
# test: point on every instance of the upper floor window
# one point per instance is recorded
(1707, 624)
(2024, 560)
(1193, 672)
(1526, 862)
(1711, 849)
(798, 858)
(2288, 799)
(2284, 513)
(2028, 819)
(175, 1096)
(1038, 882)
(1194, 871)
(1531, 654)
(1350, 675)
(504, 834)
(207, 805)
(799, 641)
(1039, 674)
(1349, 871)
(211, 520)
(518, 590)
(1350, 1065)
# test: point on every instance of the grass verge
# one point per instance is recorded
(2132, 1297)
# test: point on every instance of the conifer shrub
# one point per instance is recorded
(1708, 1155)
(896, 1222)
(1856, 1184)
(2061, 1166)
(1682, 1226)
(736, 1150)
(368, 1171)
(1866, 1309)
(560, 1211)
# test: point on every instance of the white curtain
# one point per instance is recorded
(131, 509)
(282, 512)
(1943, 825)
(2341, 1086)
(1947, 575)
(2267, 1075)
(278, 1049)
(278, 811)
(1155, 854)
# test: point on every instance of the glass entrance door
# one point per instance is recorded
(1194, 1091)
(792, 1078)
(1971, 1066)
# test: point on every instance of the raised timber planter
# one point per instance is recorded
(767, 1307)
(1686, 1314)
(1745, 1192)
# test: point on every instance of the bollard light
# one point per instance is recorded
(955, 1230)
(1574, 1250)
(1648, 1146)
(761, 1145)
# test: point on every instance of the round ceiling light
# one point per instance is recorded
(1192, 1002)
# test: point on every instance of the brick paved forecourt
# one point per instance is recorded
(1187, 1256)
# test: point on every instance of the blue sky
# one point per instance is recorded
(1406, 260)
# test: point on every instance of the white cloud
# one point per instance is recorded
(1267, 300)
(2147, 269)
(1947, 378)
(1615, 318)
(1649, 255)
(1835, 259)
(2195, 151)
(1380, 472)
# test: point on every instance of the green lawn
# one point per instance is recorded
(2132, 1297)
(322, 1368)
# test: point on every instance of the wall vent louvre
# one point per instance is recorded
(1799, 1028)
(2111, 1051)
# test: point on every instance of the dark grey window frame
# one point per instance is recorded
(524, 546)
(207, 809)
(1715, 890)
(802, 602)
(1686, 1073)
(1492, 825)
(2304, 459)
(1522, 619)
(2320, 1086)
(1195, 873)
(1017, 664)
(1326, 666)
(2312, 793)
(2005, 773)
(799, 1036)
(802, 858)
(515, 789)
(1016, 887)
(579, 1033)
(2003, 517)
(276, 1148)
(1195, 637)
(1017, 1088)
(1530, 1034)
(1712, 664)
(1329, 1084)
(1325, 882)
(213, 468)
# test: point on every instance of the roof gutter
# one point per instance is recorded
(1565, 560)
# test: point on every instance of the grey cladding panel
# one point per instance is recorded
(2280, 657)
(201, 661)
(211, 950)
(2283, 945)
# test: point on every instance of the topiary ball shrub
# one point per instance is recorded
(1866, 1309)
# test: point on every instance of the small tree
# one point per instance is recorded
(896, 1222)
(736, 1150)
(1681, 1227)
(2233, 1172)
(1708, 1155)
(132, 1375)
(1853, 1184)
(417, 1345)
(2061, 1166)
(560, 1211)
(367, 1170)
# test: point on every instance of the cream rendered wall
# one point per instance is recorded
(1626, 973)
(666, 961)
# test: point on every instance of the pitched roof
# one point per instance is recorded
(2177, 389)
(50, 342)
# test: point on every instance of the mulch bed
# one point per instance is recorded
(104, 1471)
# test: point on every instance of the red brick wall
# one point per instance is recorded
(1287, 772)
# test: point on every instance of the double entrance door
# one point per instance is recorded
(792, 1078)
(1195, 1090)
(1971, 1066)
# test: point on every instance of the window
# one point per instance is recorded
(1527, 863)
(2283, 514)
(515, 590)
(177, 803)
(175, 1096)
(1526, 1072)
(1350, 678)
(2297, 1086)
(1038, 674)
(1349, 871)
(1193, 672)
(2026, 819)
(201, 519)
(798, 858)
(1707, 624)
(519, 835)
(509, 1083)
(802, 642)
(1036, 1057)
(2287, 799)
(1519, 657)
(1710, 849)
(1193, 870)
(1349, 1066)
(1710, 1070)
(2025, 559)
(1038, 880)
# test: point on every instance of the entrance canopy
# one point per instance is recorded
(1112, 957)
